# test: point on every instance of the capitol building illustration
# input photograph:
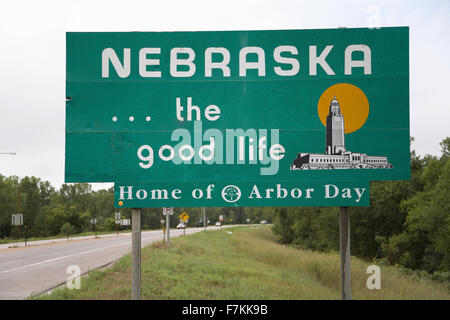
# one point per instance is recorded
(336, 156)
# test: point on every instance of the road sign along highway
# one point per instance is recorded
(125, 222)
(263, 194)
(17, 219)
(167, 211)
(275, 106)
(184, 217)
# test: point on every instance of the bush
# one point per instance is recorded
(67, 229)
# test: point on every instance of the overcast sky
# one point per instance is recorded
(32, 59)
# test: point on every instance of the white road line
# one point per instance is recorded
(71, 255)
(60, 258)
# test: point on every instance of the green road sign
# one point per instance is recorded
(240, 106)
(289, 194)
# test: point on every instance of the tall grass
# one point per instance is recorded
(246, 264)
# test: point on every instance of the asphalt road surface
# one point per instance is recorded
(43, 265)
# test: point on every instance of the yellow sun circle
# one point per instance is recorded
(120, 203)
(353, 102)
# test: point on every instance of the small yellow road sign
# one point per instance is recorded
(184, 217)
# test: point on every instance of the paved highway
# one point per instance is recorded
(42, 265)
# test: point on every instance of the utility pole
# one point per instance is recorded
(168, 228)
(204, 218)
(136, 253)
(25, 229)
(18, 210)
(344, 229)
(117, 217)
(162, 221)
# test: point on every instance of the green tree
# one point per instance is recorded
(67, 229)
(8, 203)
(55, 218)
(283, 225)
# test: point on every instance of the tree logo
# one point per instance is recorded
(231, 193)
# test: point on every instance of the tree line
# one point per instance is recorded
(48, 211)
(407, 223)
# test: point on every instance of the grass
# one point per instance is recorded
(247, 264)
